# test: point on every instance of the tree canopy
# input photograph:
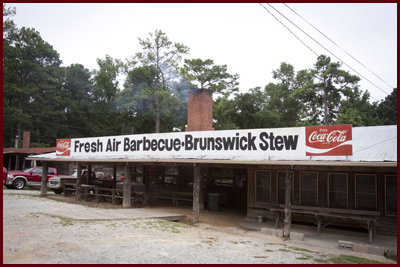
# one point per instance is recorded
(52, 101)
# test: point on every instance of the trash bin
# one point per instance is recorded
(213, 201)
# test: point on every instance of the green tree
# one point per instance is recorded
(321, 90)
(356, 109)
(164, 56)
(207, 75)
(224, 114)
(77, 94)
(386, 110)
(104, 115)
(281, 99)
(31, 80)
(252, 110)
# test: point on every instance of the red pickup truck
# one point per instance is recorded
(31, 176)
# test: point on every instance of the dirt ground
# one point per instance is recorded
(231, 242)
(223, 218)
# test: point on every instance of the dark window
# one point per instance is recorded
(365, 192)
(156, 175)
(221, 177)
(282, 186)
(309, 189)
(337, 190)
(171, 176)
(137, 174)
(263, 186)
(50, 171)
(391, 194)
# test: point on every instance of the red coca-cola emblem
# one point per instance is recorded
(63, 147)
(334, 140)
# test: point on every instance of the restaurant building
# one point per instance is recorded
(330, 175)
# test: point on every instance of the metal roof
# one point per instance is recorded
(33, 150)
(372, 146)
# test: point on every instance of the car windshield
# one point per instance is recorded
(75, 174)
(28, 169)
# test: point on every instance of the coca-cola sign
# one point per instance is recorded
(334, 140)
(63, 147)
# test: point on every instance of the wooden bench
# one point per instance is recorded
(100, 194)
(69, 189)
(117, 195)
(86, 191)
(370, 217)
(174, 196)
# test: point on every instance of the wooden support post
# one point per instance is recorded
(78, 183)
(16, 163)
(127, 191)
(288, 210)
(115, 177)
(196, 192)
(146, 177)
(43, 185)
(201, 192)
(90, 176)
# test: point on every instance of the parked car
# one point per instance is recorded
(31, 176)
(56, 183)
(4, 175)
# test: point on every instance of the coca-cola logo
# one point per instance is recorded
(335, 140)
(333, 136)
(63, 147)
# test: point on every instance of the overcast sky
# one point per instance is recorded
(245, 37)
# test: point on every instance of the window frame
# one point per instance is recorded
(347, 188)
(386, 213)
(255, 186)
(300, 191)
(355, 191)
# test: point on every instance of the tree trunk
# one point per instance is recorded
(158, 118)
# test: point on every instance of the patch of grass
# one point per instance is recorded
(345, 259)
(284, 250)
(65, 221)
(269, 250)
(300, 249)
(304, 258)
(321, 261)
(233, 242)
(260, 257)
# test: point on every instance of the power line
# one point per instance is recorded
(320, 45)
(338, 46)
(288, 29)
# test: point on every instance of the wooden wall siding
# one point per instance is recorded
(387, 224)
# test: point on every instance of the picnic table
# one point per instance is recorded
(370, 217)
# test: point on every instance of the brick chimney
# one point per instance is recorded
(26, 139)
(200, 104)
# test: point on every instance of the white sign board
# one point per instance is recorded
(254, 143)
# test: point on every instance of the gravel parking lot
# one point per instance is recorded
(31, 236)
